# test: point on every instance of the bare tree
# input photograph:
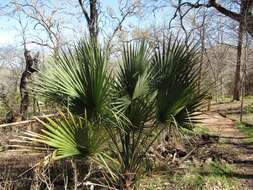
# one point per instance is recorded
(244, 73)
(30, 64)
(245, 15)
(43, 17)
(127, 8)
(202, 32)
(244, 18)
(91, 17)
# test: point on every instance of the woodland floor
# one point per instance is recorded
(231, 136)
(221, 121)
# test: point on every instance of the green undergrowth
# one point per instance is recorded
(2, 111)
(246, 129)
(204, 177)
(196, 131)
(200, 130)
(224, 99)
(194, 176)
(209, 176)
(234, 108)
(248, 109)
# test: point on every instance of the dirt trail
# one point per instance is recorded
(231, 136)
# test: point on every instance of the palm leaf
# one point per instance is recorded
(69, 136)
(175, 73)
(79, 79)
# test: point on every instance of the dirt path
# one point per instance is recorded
(231, 136)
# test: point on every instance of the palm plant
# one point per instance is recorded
(150, 88)
(79, 82)
(135, 99)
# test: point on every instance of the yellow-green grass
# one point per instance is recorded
(204, 177)
(246, 129)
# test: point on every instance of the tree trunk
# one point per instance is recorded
(236, 94)
(245, 15)
(93, 22)
(244, 21)
(202, 39)
(91, 18)
(24, 94)
(249, 27)
(244, 73)
(26, 75)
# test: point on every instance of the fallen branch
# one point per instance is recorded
(187, 155)
(27, 122)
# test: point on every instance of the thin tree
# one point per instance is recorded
(91, 17)
(246, 7)
(26, 75)
(237, 78)
(244, 18)
(45, 19)
(242, 26)
(24, 81)
(126, 9)
(202, 40)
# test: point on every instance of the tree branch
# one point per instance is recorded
(226, 12)
(84, 11)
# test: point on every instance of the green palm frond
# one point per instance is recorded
(133, 84)
(69, 136)
(78, 79)
(135, 60)
(175, 74)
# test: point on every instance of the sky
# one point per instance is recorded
(9, 26)
(7, 30)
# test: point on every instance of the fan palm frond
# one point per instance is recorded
(69, 136)
(78, 79)
(133, 83)
(175, 73)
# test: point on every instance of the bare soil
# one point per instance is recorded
(231, 137)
